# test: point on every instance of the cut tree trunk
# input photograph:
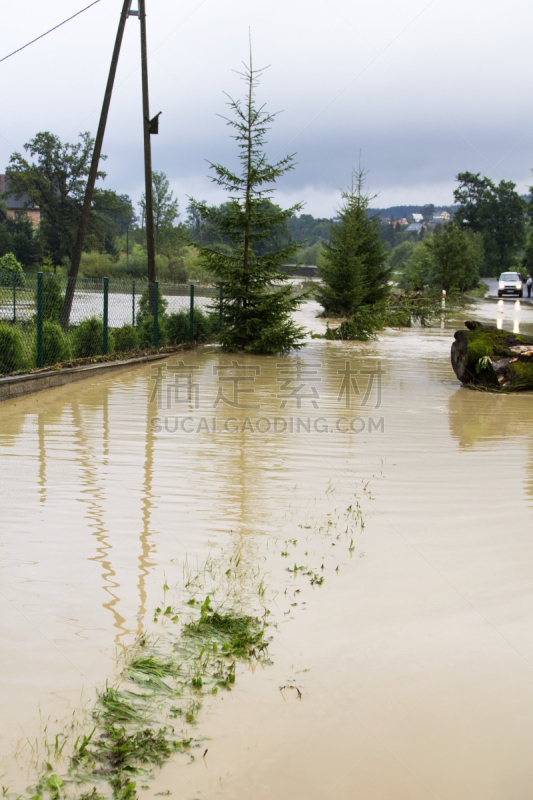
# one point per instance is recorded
(493, 359)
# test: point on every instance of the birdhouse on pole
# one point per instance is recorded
(154, 124)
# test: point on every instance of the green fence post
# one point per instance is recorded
(14, 297)
(191, 315)
(106, 312)
(133, 303)
(40, 318)
(156, 312)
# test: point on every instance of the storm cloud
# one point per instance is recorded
(419, 91)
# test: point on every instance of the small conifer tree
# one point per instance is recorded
(353, 268)
(256, 300)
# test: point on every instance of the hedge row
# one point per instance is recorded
(87, 339)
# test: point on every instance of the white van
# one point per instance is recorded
(510, 283)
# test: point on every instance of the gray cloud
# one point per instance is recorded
(423, 90)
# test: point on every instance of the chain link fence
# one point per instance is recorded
(107, 316)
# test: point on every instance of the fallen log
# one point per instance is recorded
(489, 358)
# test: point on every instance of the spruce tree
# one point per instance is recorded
(353, 270)
(256, 300)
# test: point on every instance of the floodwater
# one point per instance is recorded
(414, 659)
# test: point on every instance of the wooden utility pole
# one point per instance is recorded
(78, 246)
(149, 205)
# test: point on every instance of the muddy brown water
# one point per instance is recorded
(414, 658)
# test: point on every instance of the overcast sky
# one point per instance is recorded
(422, 89)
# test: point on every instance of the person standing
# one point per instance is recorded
(529, 283)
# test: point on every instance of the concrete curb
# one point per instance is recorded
(20, 385)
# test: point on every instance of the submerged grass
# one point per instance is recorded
(133, 723)
(165, 678)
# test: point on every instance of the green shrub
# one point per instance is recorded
(11, 350)
(363, 325)
(126, 338)
(9, 266)
(146, 332)
(88, 338)
(178, 326)
(177, 271)
(96, 265)
(134, 266)
(52, 298)
(55, 346)
(144, 306)
(204, 325)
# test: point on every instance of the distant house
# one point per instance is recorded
(401, 222)
(20, 207)
(414, 227)
(444, 216)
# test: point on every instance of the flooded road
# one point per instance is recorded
(414, 658)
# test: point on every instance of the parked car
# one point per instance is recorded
(510, 283)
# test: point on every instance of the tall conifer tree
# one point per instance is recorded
(354, 271)
(256, 299)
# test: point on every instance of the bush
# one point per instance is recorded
(52, 298)
(11, 350)
(144, 305)
(178, 327)
(135, 266)
(146, 332)
(88, 338)
(126, 338)
(96, 265)
(398, 311)
(177, 271)
(363, 325)
(9, 266)
(55, 347)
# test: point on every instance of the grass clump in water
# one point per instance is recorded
(238, 635)
(117, 756)
(150, 672)
(163, 679)
(115, 709)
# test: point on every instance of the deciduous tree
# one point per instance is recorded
(449, 259)
(497, 212)
(166, 214)
(54, 179)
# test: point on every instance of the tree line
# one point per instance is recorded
(242, 242)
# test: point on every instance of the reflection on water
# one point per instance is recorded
(516, 317)
(488, 420)
(93, 497)
(42, 459)
(145, 564)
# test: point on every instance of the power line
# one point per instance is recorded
(50, 31)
